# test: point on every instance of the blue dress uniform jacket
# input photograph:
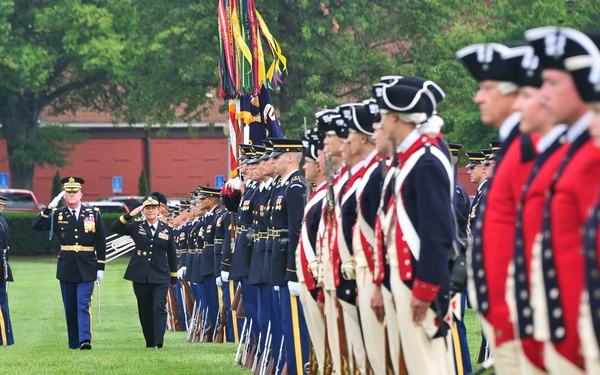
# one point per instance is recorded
(287, 216)
(221, 225)
(259, 225)
(241, 255)
(207, 262)
(76, 235)
(195, 243)
(227, 249)
(154, 260)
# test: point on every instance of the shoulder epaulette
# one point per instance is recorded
(170, 225)
(97, 209)
(137, 219)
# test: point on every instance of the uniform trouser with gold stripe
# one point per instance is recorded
(294, 331)
(423, 354)
(372, 329)
(315, 324)
(76, 301)
(6, 333)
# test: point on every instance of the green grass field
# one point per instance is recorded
(118, 345)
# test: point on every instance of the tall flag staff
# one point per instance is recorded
(245, 81)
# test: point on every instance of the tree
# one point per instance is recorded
(56, 185)
(64, 54)
(143, 184)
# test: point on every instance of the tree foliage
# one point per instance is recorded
(155, 62)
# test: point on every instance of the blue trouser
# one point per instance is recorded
(263, 310)
(184, 315)
(295, 332)
(462, 364)
(228, 295)
(275, 315)
(209, 290)
(6, 333)
(76, 300)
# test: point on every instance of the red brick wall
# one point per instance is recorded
(177, 166)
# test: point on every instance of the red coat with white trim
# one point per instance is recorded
(574, 194)
(498, 234)
(308, 237)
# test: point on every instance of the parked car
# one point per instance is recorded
(20, 200)
(131, 201)
(108, 207)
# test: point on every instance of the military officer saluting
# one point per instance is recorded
(81, 259)
(6, 334)
(152, 267)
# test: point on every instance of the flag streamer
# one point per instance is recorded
(245, 79)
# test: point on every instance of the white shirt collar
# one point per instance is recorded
(370, 157)
(548, 139)
(579, 127)
(77, 210)
(409, 140)
(357, 167)
(508, 125)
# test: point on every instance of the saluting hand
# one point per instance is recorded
(419, 310)
(136, 210)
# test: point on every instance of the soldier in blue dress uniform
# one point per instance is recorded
(81, 258)
(209, 198)
(286, 221)
(6, 333)
(152, 267)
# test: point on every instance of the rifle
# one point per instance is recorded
(257, 351)
(279, 357)
(265, 352)
(313, 366)
(174, 323)
(265, 357)
(217, 323)
(189, 302)
(250, 357)
(206, 336)
(342, 335)
(222, 320)
(191, 325)
(247, 344)
(328, 365)
(237, 352)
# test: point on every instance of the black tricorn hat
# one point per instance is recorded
(485, 62)
(524, 65)
(553, 45)
(585, 69)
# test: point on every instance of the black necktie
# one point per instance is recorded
(74, 212)
(152, 230)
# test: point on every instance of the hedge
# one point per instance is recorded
(25, 241)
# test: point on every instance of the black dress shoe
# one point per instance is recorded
(85, 345)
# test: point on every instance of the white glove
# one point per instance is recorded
(294, 288)
(99, 276)
(235, 183)
(181, 272)
(225, 276)
(276, 288)
(56, 200)
(219, 282)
